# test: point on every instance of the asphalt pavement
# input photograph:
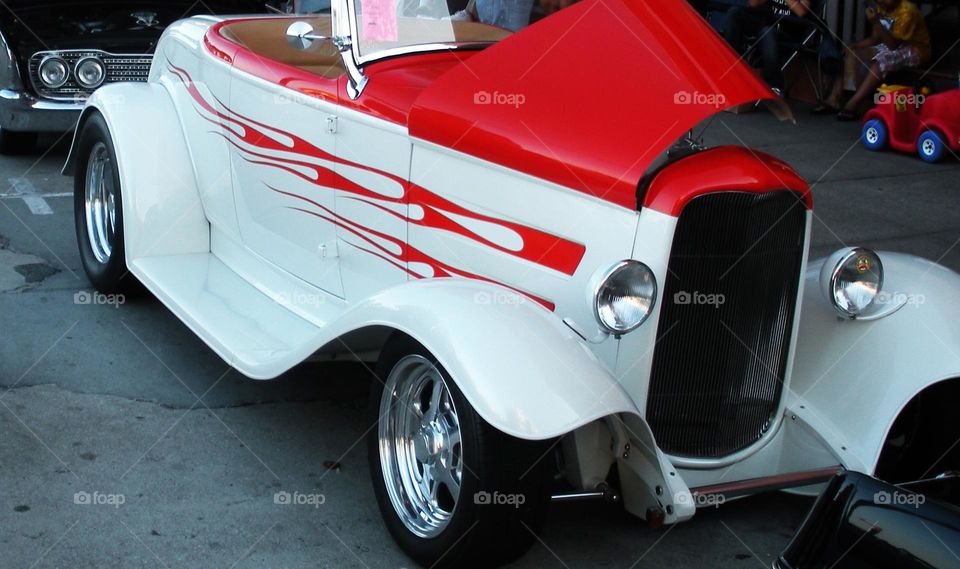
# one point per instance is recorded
(125, 442)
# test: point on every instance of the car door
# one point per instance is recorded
(282, 153)
(373, 167)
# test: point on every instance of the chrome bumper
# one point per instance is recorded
(23, 112)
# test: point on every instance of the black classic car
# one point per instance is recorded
(53, 54)
(859, 522)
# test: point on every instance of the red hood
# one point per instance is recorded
(589, 97)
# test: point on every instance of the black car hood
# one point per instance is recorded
(117, 26)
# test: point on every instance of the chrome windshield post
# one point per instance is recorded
(344, 26)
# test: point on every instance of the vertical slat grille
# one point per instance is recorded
(726, 320)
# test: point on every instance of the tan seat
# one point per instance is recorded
(267, 38)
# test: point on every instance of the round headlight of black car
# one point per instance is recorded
(851, 279)
(54, 71)
(90, 72)
(625, 297)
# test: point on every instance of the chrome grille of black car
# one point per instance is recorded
(720, 360)
(119, 68)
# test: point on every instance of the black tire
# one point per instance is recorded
(12, 142)
(109, 276)
(923, 441)
(495, 464)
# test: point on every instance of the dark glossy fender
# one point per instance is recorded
(859, 522)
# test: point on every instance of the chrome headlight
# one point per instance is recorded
(625, 297)
(90, 72)
(54, 71)
(851, 279)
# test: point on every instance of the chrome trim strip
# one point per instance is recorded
(767, 483)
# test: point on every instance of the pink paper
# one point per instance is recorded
(379, 20)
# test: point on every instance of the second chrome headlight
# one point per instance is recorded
(90, 72)
(625, 297)
(851, 279)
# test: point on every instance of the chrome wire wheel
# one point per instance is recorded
(420, 448)
(100, 203)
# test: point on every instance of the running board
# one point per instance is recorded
(765, 484)
(247, 328)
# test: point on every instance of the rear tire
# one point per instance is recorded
(98, 210)
(922, 442)
(930, 146)
(12, 142)
(488, 510)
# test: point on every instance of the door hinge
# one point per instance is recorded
(332, 125)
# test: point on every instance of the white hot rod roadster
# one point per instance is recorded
(551, 297)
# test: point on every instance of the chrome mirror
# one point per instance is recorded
(301, 35)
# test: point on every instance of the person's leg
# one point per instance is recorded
(734, 28)
(770, 55)
(868, 86)
(853, 61)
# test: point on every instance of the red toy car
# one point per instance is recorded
(909, 121)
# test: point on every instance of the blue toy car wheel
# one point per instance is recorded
(874, 134)
(930, 146)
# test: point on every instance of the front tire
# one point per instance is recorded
(452, 490)
(97, 208)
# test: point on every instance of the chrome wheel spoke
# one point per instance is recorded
(450, 479)
(420, 446)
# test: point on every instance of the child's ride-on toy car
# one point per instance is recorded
(910, 121)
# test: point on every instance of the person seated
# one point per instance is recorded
(758, 19)
(512, 15)
(899, 40)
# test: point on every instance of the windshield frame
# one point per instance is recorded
(349, 21)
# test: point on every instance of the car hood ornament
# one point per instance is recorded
(146, 18)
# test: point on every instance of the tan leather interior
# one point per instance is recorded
(268, 39)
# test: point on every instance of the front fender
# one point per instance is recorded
(524, 371)
(851, 378)
(162, 210)
(527, 374)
